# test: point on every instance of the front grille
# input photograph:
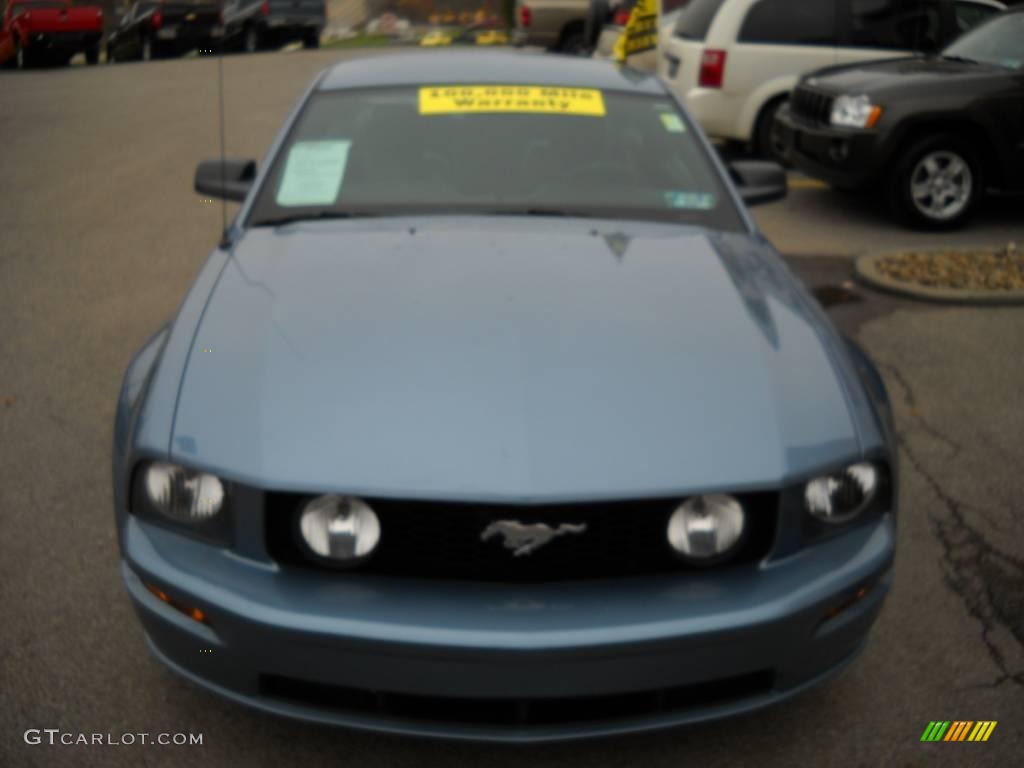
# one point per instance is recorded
(520, 712)
(443, 540)
(811, 106)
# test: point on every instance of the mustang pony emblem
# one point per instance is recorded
(524, 539)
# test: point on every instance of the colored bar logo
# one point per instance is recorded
(958, 730)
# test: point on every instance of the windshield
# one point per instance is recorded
(999, 42)
(516, 150)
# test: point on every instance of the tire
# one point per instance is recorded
(21, 57)
(92, 55)
(597, 12)
(573, 41)
(111, 56)
(251, 39)
(573, 45)
(311, 41)
(766, 142)
(146, 49)
(937, 183)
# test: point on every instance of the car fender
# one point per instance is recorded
(136, 381)
(778, 86)
(978, 128)
(874, 386)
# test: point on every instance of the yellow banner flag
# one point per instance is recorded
(641, 32)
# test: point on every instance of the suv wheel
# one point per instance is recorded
(767, 142)
(21, 60)
(937, 183)
(147, 49)
(252, 39)
(573, 41)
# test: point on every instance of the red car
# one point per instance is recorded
(49, 31)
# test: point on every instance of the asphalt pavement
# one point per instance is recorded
(100, 237)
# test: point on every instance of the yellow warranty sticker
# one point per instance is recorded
(545, 100)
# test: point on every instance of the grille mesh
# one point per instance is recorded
(519, 712)
(811, 106)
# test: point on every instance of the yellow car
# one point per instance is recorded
(437, 37)
(492, 37)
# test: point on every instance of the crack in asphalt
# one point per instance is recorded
(989, 582)
(911, 402)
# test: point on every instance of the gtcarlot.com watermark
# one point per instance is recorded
(70, 738)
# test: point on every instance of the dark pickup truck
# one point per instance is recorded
(49, 31)
(164, 28)
(255, 25)
(933, 133)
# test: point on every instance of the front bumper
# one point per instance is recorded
(844, 157)
(503, 662)
(63, 41)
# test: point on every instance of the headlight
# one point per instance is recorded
(341, 529)
(841, 496)
(855, 112)
(704, 529)
(181, 494)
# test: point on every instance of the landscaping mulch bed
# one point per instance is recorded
(978, 269)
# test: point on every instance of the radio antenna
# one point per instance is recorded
(224, 240)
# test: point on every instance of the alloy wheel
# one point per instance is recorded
(941, 185)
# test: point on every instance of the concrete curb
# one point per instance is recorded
(866, 270)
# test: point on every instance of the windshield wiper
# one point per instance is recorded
(962, 59)
(293, 218)
(542, 211)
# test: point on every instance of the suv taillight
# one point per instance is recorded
(525, 15)
(265, 8)
(712, 68)
(621, 17)
(157, 20)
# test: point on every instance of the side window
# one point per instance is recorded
(788, 23)
(970, 15)
(695, 19)
(899, 25)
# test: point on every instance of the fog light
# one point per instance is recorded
(840, 150)
(339, 529)
(707, 529)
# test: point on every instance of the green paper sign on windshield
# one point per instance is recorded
(313, 173)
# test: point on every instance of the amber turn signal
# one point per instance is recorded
(196, 614)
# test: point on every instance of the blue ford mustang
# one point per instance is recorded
(494, 416)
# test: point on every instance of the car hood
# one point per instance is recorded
(905, 73)
(502, 359)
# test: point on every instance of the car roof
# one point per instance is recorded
(478, 67)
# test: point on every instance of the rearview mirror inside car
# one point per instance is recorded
(229, 179)
(759, 181)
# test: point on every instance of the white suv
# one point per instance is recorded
(734, 62)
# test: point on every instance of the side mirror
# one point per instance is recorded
(229, 179)
(759, 181)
